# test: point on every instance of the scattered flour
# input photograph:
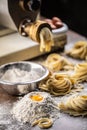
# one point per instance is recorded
(27, 110)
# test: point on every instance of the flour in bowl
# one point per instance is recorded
(16, 75)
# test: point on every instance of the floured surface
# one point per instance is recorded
(64, 122)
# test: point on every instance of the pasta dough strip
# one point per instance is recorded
(60, 84)
(79, 50)
(43, 123)
(57, 84)
(41, 32)
(75, 106)
(80, 73)
(46, 40)
(55, 62)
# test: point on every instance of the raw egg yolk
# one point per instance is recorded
(84, 97)
(37, 97)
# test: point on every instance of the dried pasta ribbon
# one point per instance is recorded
(56, 62)
(40, 31)
(75, 105)
(79, 50)
(80, 73)
(43, 123)
(58, 84)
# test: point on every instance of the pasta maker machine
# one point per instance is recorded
(14, 14)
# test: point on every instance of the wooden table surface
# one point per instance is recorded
(65, 122)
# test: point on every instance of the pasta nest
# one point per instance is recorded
(57, 84)
(80, 73)
(55, 62)
(79, 50)
(75, 105)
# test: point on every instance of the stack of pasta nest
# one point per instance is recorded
(64, 81)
